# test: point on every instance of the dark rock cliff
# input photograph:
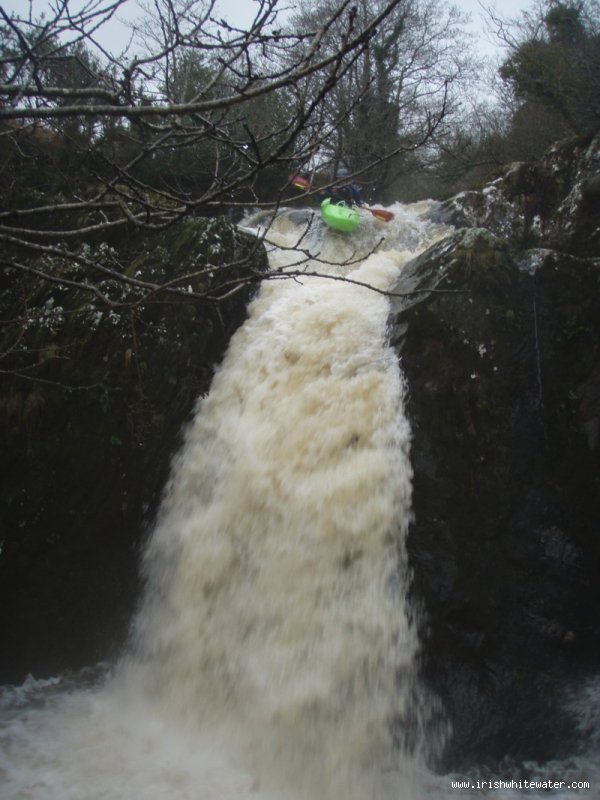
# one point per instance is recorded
(92, 404)
(504, 401)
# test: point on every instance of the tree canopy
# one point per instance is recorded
(202, 115)
(393, 100)
(558, 65)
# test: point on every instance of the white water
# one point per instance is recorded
(272, 656)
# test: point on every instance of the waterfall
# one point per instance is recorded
(272, 655)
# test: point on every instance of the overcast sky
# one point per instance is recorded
(241, 12)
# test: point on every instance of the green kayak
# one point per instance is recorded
(339, 216)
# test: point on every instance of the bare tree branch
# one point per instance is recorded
(198, 117)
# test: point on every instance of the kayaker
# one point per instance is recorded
(348, 192)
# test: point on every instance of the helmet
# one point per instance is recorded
(341, 172)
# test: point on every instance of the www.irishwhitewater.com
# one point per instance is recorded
(520, 784)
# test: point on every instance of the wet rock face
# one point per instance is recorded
(87, 437)
(553, 203)
(504, 402)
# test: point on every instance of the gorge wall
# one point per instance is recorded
(504, 401)
(92, 406)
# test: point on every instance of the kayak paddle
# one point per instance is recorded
(380, 213)
(299, 183)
